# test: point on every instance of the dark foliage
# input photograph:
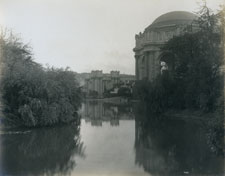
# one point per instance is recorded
(34, 95)
(124, 92)
(195, 80)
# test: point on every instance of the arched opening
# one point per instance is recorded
(166, 62)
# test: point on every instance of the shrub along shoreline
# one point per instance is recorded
(32, 95)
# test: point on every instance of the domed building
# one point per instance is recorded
(149, 60)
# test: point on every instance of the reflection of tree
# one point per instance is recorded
(165, 147)
(41, 151)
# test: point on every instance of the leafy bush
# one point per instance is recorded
(159, 95)
(124, 92)
(33, 95)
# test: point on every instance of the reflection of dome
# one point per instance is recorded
(175, 17)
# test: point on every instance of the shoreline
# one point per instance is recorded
(215, 119)
(113, 100)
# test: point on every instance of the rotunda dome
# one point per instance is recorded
(175, 17)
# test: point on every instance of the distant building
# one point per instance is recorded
(149, 60)
(94, 84)
(98, 82)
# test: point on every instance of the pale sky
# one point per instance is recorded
(87, 34)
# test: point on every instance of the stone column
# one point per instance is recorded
(1, 72)
(147, 65)
(150, 66)
(153, 65)
(157, 63)
(136, 68)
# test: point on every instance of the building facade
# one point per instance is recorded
(95, 82)
(149, 60)
(98, 82)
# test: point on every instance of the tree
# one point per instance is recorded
(124, 91)
(195, 80)
(197, 63)
(33, 95)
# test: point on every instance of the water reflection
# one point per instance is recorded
(116, 140)
(175, 147)
(44, 151)
(97, 112)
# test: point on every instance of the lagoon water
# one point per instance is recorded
(112, 140)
